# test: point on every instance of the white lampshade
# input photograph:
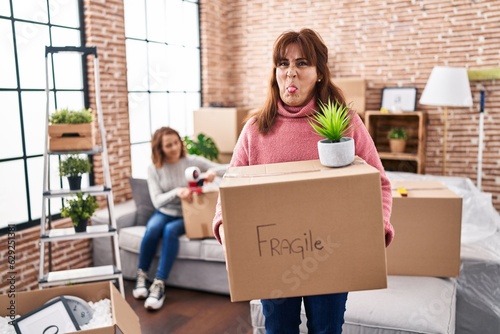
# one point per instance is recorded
(447, 87)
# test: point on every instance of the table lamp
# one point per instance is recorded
(447, 87)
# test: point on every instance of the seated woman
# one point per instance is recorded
(167, 186)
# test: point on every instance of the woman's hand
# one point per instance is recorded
(185, 194)
(209, 176)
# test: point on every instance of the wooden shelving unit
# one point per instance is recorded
(50, 235)
(415, 123)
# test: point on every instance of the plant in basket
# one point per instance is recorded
(71, 130)
(80, 209)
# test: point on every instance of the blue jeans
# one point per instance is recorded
(161, 227)
(325, 314)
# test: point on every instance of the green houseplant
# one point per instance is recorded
(68, 116)
(71, 130)
(397, 139)
(73, 167)
(202, 145)
(333, 122)
(80, 209)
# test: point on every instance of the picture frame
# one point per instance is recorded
(399, 99)
(53, 317)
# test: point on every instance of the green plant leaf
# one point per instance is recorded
(397, 133)
(81, 207)
(73, 165)
(333, 121)
(67, 116)
(204, 146)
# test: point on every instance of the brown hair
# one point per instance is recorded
(157, 154)
(315, 51)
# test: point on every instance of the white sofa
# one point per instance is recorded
(200, 264)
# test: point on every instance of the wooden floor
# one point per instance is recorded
(188, 311)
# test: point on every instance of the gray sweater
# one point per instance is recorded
(164, 182)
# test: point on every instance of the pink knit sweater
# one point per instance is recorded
(293, 139)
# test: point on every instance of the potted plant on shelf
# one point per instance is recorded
(397, 139)
(80, 209)
(73, 167)
(333, 122)
(71, 130)
(205, 146)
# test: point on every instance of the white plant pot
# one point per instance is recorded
(337, 154)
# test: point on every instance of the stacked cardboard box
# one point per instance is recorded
(427, 222)
(223, 125)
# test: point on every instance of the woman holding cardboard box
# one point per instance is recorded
(279, 131)
(167, 185)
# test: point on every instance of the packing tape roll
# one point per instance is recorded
(192, 174)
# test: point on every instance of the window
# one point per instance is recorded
(26, 27)
(163, 64)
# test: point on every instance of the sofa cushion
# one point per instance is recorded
(408, 305)
(130, 239)
(142, 199)
(125, 215)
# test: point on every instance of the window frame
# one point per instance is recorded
(150, 91)
(25, 157)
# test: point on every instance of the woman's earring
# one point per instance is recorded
(319, 80)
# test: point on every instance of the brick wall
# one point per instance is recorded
(65, 255)
(389, 43)
(216, 62)
(105, 29)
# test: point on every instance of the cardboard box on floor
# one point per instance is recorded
(124, 318)
(223, 125)
(428, 225)
(299, 228)
(199, 214)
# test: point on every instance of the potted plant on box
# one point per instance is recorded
(397, 139)
(205, 146)
(71, 130)
(333, 122)
(73, 167)
(80, 209)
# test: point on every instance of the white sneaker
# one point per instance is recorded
(141, 291)
(156, 295)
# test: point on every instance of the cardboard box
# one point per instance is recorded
(199, 214)
(124, 318)
(354, 90)
(428, 225)
(299, 228)
(71, 137)
(223, 125)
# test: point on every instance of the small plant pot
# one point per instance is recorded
(75, 182)
(397, 145)
(82, 225)
(337, 154)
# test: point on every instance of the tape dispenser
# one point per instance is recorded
(195, 179)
